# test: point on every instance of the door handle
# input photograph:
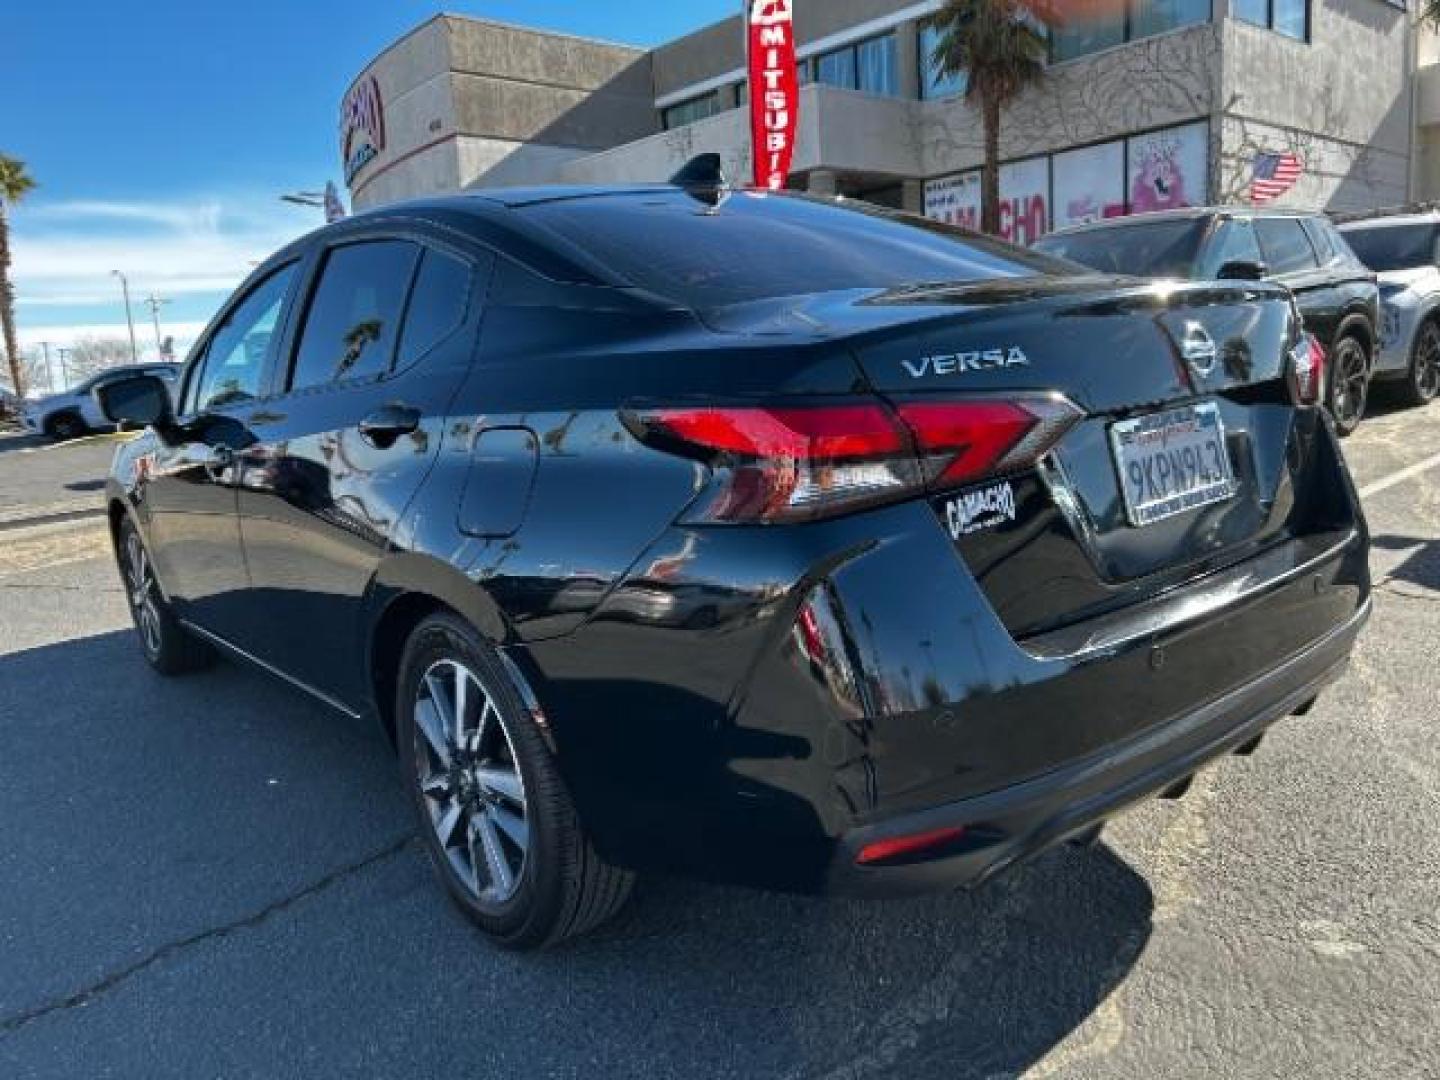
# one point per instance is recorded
(386, 424)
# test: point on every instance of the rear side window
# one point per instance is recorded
(234, 363)
(354, 316)
(1287, 249)
(438, 305)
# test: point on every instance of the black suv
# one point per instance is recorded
(1338, 296)
(776, 540)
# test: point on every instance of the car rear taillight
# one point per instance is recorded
(797, 463)
(1307, 371)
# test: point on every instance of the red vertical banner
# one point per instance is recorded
(774, 90)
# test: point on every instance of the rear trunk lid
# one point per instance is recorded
(1060, 544)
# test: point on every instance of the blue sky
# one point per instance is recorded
(162, 133)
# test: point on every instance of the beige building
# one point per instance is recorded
(1169, 105)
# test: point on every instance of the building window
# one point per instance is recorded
(1139, 19)
(871, 66)
(687, 112)
(934, 83)
(837, 68)
(878, 66)
(1288, 17)
(1149, 17)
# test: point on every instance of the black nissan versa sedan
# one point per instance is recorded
(1336, 293)
(775, 540)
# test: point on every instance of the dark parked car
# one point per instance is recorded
(1337, 294)
(769, 539)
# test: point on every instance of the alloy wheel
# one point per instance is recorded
(143, 601)
(1427, 363)
(470, 780)
(1351, 386)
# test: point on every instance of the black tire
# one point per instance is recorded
(167, 646)
(65, 426)
(1349, 390)
(1422, 382)
(553, 887)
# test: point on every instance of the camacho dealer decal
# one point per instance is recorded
(980, 508)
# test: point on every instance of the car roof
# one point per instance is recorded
(1189, 213)
(1394, 221)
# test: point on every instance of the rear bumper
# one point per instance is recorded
(1008, 826)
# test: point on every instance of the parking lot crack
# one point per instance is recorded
(13, 1023)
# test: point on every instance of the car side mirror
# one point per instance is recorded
(139, 399)
(1243, 270)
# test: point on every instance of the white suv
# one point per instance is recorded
(74, 412)
(1404, 251)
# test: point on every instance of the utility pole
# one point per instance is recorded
(49, 371)
(129, 317)
(155, 303)
(64, 371)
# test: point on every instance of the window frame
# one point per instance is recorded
(200, 354)
(480, 262)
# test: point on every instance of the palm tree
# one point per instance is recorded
(15, 183)
(1000, 48)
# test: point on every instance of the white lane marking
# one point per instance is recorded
(1408, 473)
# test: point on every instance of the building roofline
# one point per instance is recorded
(500, 24)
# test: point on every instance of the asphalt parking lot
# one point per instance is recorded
(211, 877)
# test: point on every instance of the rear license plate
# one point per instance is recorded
(1173, 461)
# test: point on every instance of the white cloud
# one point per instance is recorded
(64, 252)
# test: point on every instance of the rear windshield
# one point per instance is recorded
(1144, 249)
(1394, 247)
(755, 246)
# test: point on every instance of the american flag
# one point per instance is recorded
(1274, 174)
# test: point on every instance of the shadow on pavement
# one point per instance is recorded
(158, 817)
(1422, 567)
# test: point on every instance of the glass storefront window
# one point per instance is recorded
(934, 84)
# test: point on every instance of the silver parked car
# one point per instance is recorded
(1404, 251)
(73, 412)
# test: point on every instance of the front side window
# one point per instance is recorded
(1287, 249)
(354, 315)
(1233, 242)
(234, 363)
